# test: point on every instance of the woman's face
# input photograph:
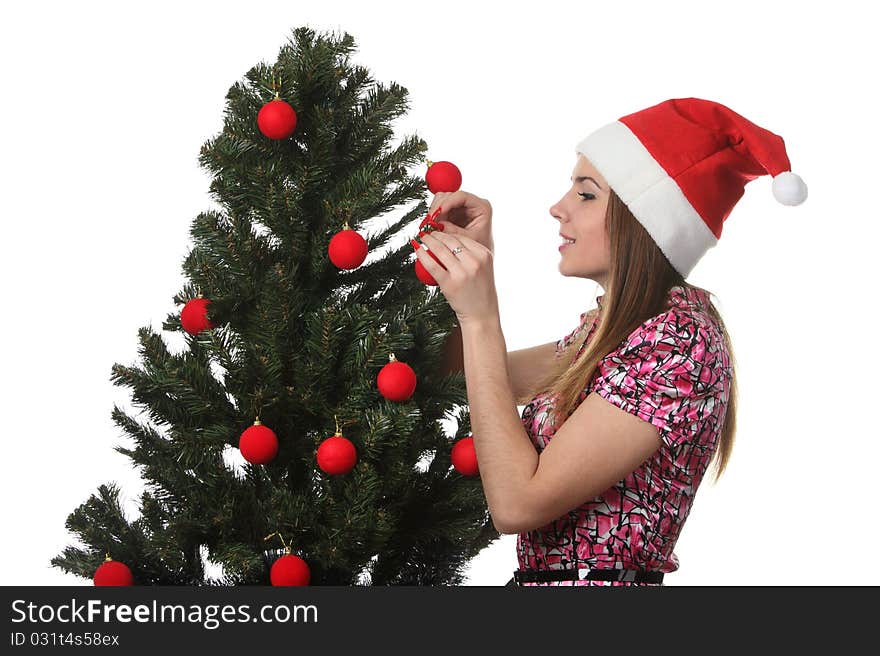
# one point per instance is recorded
(581, 216)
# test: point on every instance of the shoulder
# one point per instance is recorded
(675, 329)
(672, 370)
(677, 344)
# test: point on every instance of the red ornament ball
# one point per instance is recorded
(336, 455)
(443, 176)
(421, 272)
(396, 381)
(194, 316)
(258, 444)
(347, 249)
(113, 572)
(464, 457)
(423, 275)
(276, 119)
(290, 570)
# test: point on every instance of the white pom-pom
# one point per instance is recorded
(789, 189)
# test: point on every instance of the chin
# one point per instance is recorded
(568, 272)
(568, 268)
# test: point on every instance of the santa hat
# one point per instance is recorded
(680, 167)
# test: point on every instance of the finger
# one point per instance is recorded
(442, 245)
(438, 200)
(472, 246)
(449, 201)
(452, 240)
(450, 228)
(467, 255)
(430, 264)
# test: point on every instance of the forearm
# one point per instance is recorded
(507, 458)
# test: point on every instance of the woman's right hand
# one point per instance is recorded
(463, 213)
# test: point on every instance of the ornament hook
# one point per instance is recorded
(274, 533)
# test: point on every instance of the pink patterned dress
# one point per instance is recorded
(674, 372)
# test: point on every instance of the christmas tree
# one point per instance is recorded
(274, 427)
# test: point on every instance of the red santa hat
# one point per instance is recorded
(681, 165)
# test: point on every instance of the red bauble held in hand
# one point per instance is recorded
(347, 249)
(113, 572)
(464, 457)
(422, 273)
(427, 225)
(290, 570)
(443, 176)
(276, 119)
(396, 380)
(194, 316)
(336, 455)
(258, 444)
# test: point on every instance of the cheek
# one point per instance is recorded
(592, 244)
(591, 238)
(590, 250)
(596, 233)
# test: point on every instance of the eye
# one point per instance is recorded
(584, 195)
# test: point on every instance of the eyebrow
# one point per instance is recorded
(581, 178)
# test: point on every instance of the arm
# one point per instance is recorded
(596, 446)
(525, 366)
(506, 456)
(530, 366)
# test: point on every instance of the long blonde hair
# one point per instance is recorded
(639, 282)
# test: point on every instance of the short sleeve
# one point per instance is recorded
(667, 373)
(566, 341)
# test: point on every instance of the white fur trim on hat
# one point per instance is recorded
(650, 194)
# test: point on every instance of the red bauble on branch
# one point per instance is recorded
(336, 455)
(347, 249)
(194, 316)
(290, 569)
(113, 572)
(276, 119)
(443, 176)
(464, 457)
(258, 444)
(396, 380)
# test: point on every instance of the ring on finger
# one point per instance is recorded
(458, 245)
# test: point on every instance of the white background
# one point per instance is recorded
(104, 109)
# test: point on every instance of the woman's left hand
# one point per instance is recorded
(468, 283)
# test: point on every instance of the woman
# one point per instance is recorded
(597, 486)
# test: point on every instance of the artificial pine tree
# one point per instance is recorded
(284, 345)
